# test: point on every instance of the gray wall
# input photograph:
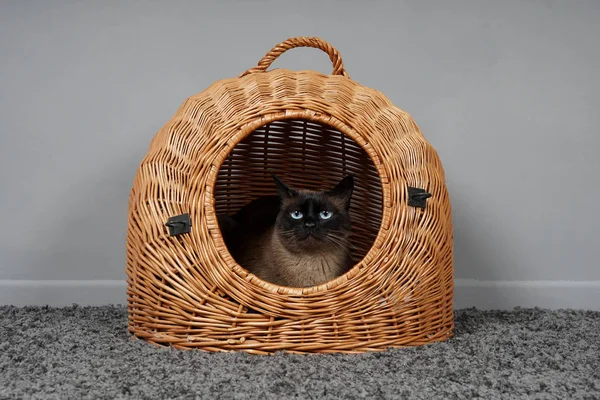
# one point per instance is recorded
(507, 92)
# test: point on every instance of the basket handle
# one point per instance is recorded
(301, 41)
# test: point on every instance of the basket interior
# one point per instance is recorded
(304, 154)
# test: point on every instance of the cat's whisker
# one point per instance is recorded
(337, 241)
(343, 244)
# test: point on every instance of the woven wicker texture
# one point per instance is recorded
(311, 129)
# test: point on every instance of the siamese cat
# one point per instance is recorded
(297, 238)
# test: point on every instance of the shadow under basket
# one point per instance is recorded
(311, 129)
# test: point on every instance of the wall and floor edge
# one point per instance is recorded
(502, 295)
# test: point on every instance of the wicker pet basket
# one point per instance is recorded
(311, 129)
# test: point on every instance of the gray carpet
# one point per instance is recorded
(85, 353)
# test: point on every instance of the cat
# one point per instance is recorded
(297, 238)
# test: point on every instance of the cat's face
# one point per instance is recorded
(314, 221)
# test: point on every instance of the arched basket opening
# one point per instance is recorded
(306, 154)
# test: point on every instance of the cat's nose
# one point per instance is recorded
(309, 224)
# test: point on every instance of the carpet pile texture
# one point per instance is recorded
(86, 353)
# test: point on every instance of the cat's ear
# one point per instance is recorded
(284, 190)
(343, 190)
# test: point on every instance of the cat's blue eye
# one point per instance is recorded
(296, 214)
(325, 214)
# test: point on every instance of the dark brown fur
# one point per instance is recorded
(265, 239)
